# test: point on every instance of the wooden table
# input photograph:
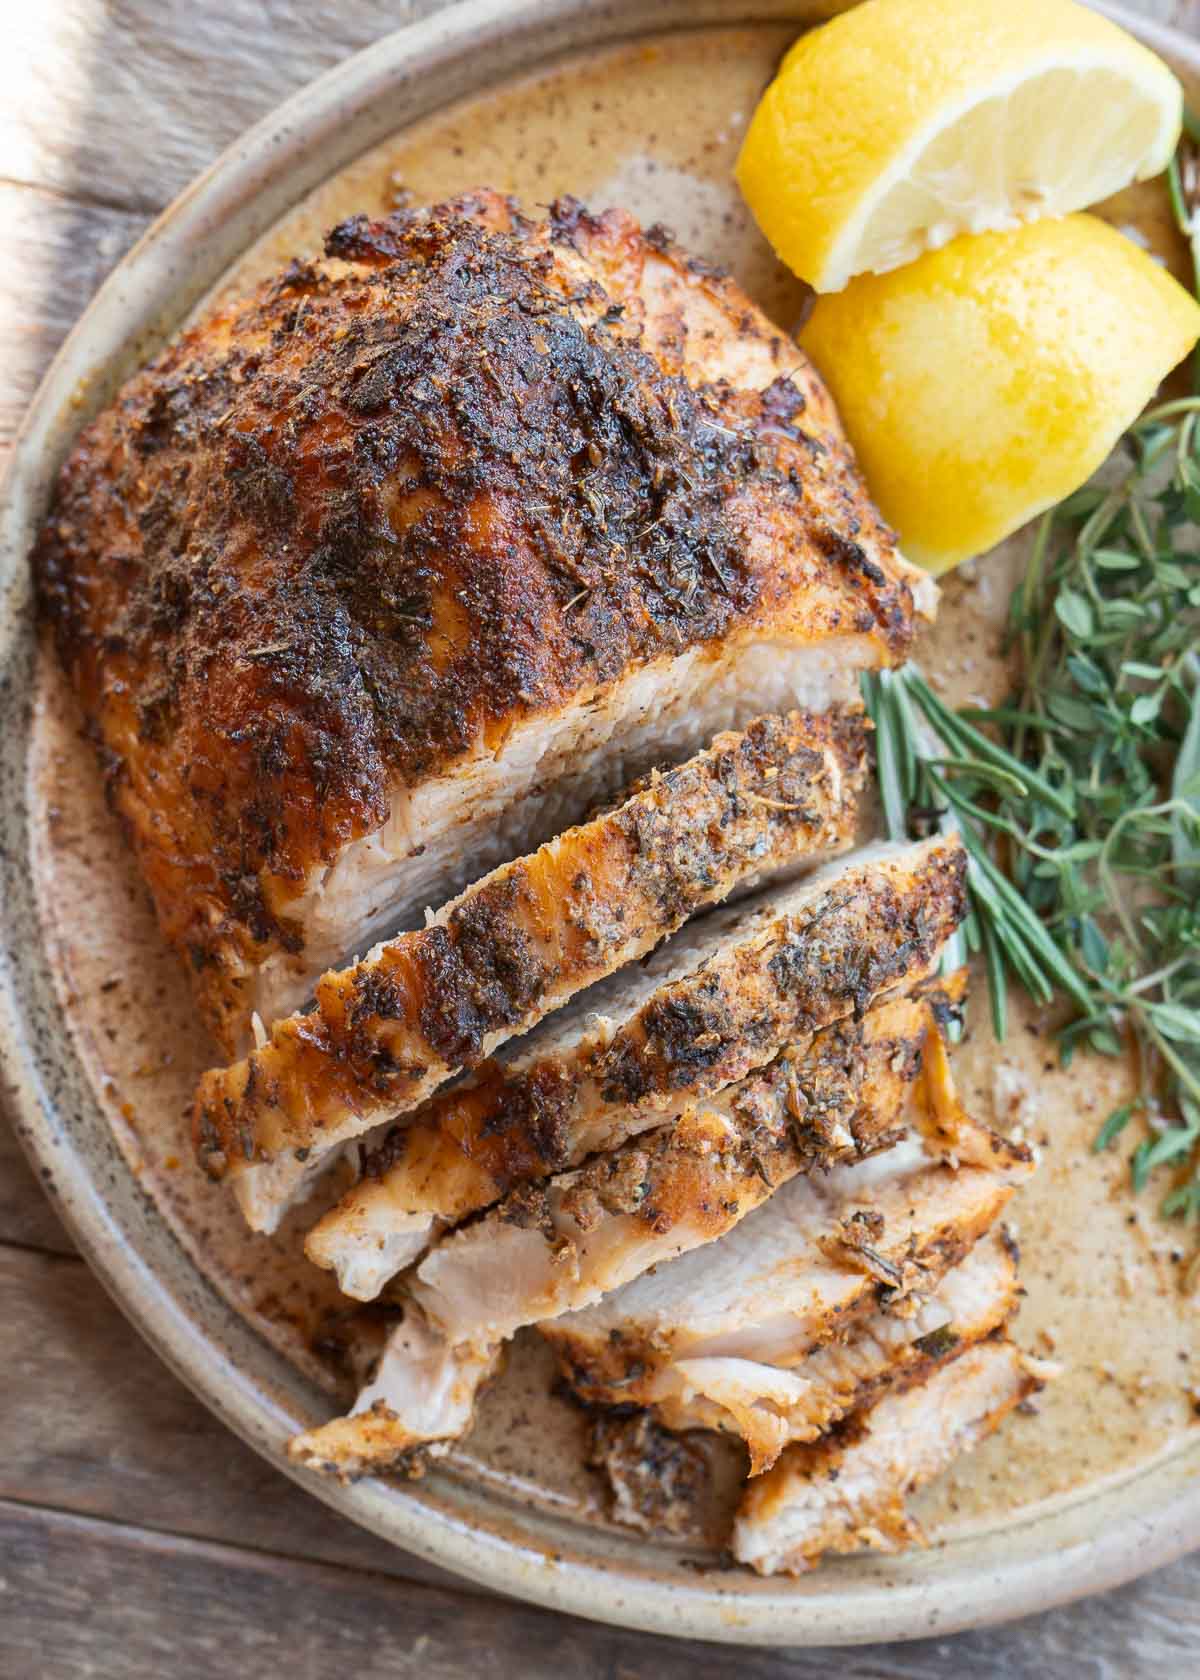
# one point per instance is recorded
(137, 1538)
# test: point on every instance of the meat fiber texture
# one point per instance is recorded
(389, 571)
(725, 995)
(822, 1253)
(521, 942)
(769, 1407)
(847, 1493)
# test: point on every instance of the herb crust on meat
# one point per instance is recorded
(361, 531)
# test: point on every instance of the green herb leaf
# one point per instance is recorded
(1113, 1127)
(1185, 789)
(1176, 1022)
(1075, 612)
(1078, 798)
(1145, 708)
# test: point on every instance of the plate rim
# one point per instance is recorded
(1155, 1512)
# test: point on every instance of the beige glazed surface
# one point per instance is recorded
(653, 126)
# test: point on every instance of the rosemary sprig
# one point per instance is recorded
(1079, 798)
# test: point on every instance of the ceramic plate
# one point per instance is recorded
(101, 1051)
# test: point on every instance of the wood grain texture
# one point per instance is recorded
(96, 1599)
(96, 1424)
(139, 1539)
(53, 256)
(27, 1218)
(122, 102)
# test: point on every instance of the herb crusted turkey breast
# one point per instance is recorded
(724, 996)
(383, 574)
(558, 1246)
(521, 942)
(397, 570)
(847, 1493)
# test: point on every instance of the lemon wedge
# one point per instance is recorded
(989, 379)
(903, 123)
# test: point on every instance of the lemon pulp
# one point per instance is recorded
(903, 123)
(987, 380)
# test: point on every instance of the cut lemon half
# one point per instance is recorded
(903, 123)
(987, 380)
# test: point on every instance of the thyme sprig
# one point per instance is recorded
(1078, 799)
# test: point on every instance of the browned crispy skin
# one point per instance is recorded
(813, 1107)
(386, 1032)
(656, 1479)
(837, 1099)
(355, 527)
(696, 1035)
(675, 1189)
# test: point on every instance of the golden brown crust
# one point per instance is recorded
(620, 1358)
(694, 1035)
(386, 1032)
(348, 531)
(816, 1106)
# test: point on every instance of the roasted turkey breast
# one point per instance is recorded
(725, 995)
(559, 1246)
(823, 1252)
(388, 578)
(381, 575)
(847, 1493)
(525, 939)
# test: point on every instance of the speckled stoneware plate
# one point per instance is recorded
(100, 1049)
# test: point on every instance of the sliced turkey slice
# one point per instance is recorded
(846, 1493)
(879, 1233)
(720, 999)
(769, 1408)
(522, 941)
(824, 1252)
(422, 1395)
